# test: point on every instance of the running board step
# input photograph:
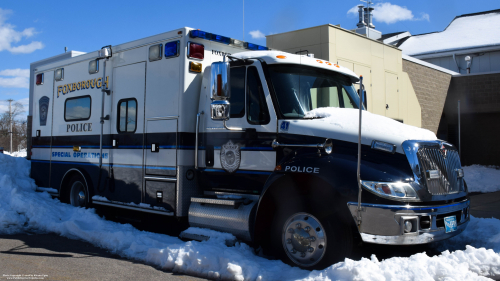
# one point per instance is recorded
(226, 202)
(50, 190)
(127, 206)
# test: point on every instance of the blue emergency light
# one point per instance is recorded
(224, 40)
(172, 49)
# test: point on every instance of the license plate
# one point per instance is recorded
(450, 223)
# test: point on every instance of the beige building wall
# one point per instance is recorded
(389, 89)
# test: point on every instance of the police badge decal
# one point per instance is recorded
(230, 156)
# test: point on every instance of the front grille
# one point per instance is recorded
(431, 158)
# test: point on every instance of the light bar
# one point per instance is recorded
(384, 146)
(225, 40)
(255, 47)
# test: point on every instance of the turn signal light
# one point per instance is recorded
(195, 66)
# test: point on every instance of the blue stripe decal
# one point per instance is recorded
(107, 165)
(407, 208)
(149, 147)
(239, 172)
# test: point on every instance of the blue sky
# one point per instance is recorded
(34, 30)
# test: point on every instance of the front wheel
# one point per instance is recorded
(310, 241)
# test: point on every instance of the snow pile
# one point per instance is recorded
(371, 124)
(482, 178)
(20, 153)
(463, 32)
(23, 209)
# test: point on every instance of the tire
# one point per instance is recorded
(77, 192)
(302, 237)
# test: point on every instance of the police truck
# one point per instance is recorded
(216, 132)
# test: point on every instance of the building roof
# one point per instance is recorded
(469, 31)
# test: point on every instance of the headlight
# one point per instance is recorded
(395, 190)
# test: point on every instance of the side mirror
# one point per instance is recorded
(220, 110)
(365, 102)
(220, 88)
(220, 91)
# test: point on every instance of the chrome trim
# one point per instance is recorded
(162, 118)
(214, 201)
(196, 139)
(187, 53)
(242, 195)
(84, 179)
(232, 128)
(276, 144)
(413, 151)
(384, 224)
(160, 179)
(140, 209)
(423, 238)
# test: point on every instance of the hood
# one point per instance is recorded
(342, 124)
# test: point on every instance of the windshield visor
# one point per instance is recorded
(300, 89)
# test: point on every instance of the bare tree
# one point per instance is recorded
(19, 128)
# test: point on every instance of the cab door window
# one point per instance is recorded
(257, 112)
(237, 77)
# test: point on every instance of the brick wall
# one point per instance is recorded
(479, 97)
(431, 88)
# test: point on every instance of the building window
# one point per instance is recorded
(77, 109)
(127, 116)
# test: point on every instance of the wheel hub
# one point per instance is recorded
(304, 239)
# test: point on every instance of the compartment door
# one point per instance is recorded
(161, 146)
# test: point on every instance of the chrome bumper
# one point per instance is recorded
(384, 224)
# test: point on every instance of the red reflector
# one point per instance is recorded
(39, 79)
(196, 51)
(219, 84)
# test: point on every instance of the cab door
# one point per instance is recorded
(241, 160)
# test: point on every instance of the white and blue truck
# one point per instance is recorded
(216, 132)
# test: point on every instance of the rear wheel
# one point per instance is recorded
(77, 192)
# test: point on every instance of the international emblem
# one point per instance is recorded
(230, 156)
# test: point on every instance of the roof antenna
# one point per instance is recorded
(65, 49)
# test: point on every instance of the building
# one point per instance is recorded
(470, 45)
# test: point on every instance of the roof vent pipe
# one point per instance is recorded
(361, 22)
(369, 17)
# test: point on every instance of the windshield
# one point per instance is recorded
(300, 89)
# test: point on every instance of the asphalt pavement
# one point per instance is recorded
(485, 205)
(52, 257)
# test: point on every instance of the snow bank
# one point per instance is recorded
(372, 123)
(20, 153)
(482, 178)
(23, 209)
